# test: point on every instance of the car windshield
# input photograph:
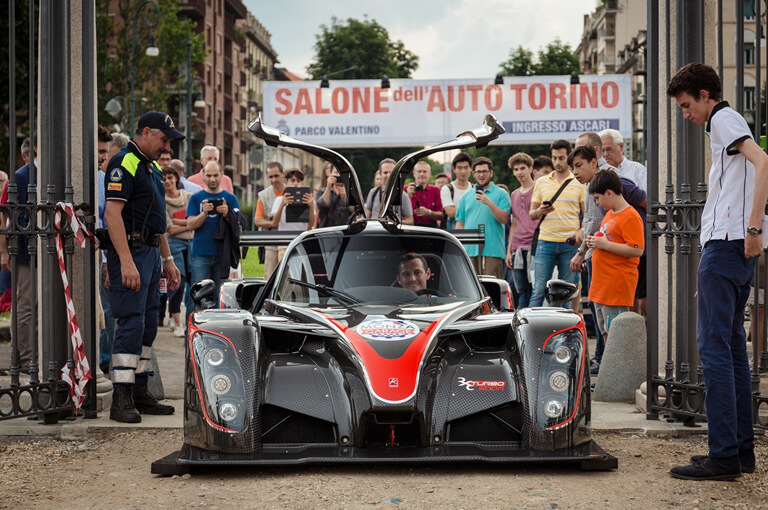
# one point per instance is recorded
(347, 270)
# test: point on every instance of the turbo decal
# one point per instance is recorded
(481, 385)
(387, 329)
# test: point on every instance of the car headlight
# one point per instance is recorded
(559, 378)
(219, 380)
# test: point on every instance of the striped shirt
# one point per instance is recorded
(563, 222)
(635, 172)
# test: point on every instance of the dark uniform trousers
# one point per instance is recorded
(136, 315)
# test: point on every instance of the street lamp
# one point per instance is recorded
(199, 103)
(114, 107)
(152, 50)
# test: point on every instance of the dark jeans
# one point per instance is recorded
(723, 289)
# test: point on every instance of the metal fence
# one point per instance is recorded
(677, 391)
(38, 390)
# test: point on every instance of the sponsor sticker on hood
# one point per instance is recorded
(387, 329)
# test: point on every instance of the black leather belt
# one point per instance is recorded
(153, 240)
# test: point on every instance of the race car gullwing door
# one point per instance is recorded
(274, 137)
(478, 137)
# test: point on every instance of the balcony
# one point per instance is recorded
(237, 8)
(227, 66)
(193, 9)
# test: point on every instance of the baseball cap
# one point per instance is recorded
(161, 121)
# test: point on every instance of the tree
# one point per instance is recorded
(500, 154)
(8, 153)
(362, 50)
(554, 60)
(157, 79)
(520, 63)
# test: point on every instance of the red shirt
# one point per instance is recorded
(429, 197)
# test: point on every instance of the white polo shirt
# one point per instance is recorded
(731, 178)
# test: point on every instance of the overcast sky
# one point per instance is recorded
(453, 38)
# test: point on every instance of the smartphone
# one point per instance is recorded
(548, 203)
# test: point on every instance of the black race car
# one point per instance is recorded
(338, 357)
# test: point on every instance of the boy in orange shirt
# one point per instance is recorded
(618, 246)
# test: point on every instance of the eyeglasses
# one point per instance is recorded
(481, 172)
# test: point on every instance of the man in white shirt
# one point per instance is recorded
(731, 230)
(452, 192)
(207, 154)
(613, 151)
(376, 196)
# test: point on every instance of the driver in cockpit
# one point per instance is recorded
(413, 273)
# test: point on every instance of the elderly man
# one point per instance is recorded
(178, 166)
(207, 154)
(425, 197)
(613, 151)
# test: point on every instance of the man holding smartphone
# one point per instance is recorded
(488, 205)
(204, 211)
(561, 222)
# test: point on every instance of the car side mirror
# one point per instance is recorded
(203, 294)
(560, 292)
(499, 291)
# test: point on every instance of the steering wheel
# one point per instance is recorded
(428, 291)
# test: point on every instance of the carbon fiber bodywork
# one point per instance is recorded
(307, 396)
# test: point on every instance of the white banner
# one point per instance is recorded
(359, 113)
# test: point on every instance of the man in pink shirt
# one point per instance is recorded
(425, 197)
(207, 154)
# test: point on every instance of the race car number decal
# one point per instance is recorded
(482, 385)
(387, 329)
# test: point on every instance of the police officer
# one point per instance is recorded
(139, 252)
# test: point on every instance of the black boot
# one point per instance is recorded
(122, 409)
(147, 404)
(726, 468)
(746, 458)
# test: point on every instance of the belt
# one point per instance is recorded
(153, 240)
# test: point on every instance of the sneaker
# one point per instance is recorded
(727, 468)
(594, 366)
(746, 458)
(178, 331)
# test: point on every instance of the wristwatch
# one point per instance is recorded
(754, 231)
(166, 259)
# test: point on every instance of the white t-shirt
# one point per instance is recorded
(731, 178)
(445, 194)
(284, 225)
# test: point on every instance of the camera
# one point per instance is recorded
(419, 187)
(216, 202)
(134, 239)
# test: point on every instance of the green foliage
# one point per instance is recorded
(362, 50)
(554, 60)
(520, 63)
(366, 161)
(157, 79)
(7, 153)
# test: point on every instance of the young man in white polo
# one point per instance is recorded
(731, 239)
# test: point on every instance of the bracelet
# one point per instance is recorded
(166, 259)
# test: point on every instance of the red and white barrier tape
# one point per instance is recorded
(82, 368)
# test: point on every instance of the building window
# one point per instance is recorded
(749, 9)
(749, 98)
(749, 54)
